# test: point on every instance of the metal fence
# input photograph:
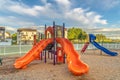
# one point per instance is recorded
(14, 49)
(115, 46)
(20, 49)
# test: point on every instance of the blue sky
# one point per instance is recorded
(80, 13)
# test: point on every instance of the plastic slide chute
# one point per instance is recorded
(33, 54)
(92, 40)
(75, 65)
(27, 54)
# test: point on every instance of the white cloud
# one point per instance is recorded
(44, 1)
(63, 4)
(23, 10)
(97, 19)
(50, 12)
(108, 4)
(4, 4)
(108, 32)
(36, 10)
(85, 17)
(8, 28)
(107, 29)
(102, 4)
(13, 21)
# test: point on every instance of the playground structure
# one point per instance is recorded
(64, 51)
(92, 39)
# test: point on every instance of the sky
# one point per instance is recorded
(92, 14)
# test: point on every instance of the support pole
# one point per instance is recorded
(45, 49)
(63, 30)
(41, 55)
(48, 55)
(54, 29)
(51, 54)
(63, 35)
(34, 40)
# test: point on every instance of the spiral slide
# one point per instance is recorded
(75, 65)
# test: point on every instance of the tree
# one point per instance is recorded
(100, 37)
(71, 33)
(82, 35)
(14, 38)
(76, 33)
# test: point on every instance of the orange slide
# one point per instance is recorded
(33, 54)
(75, 65)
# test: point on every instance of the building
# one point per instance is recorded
(7, 35)
(2, 33)
(26, 35)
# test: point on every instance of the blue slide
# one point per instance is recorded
(92, 38)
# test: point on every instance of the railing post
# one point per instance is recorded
(4, 50)
(20, 48)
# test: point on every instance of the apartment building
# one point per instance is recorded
(26, 35)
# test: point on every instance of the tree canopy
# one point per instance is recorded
(14, 38)
(76, 33)
(100, 37)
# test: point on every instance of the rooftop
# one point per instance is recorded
(26, 29)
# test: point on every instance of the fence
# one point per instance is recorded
(20, 49)
(115, 46)
(14, 49)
